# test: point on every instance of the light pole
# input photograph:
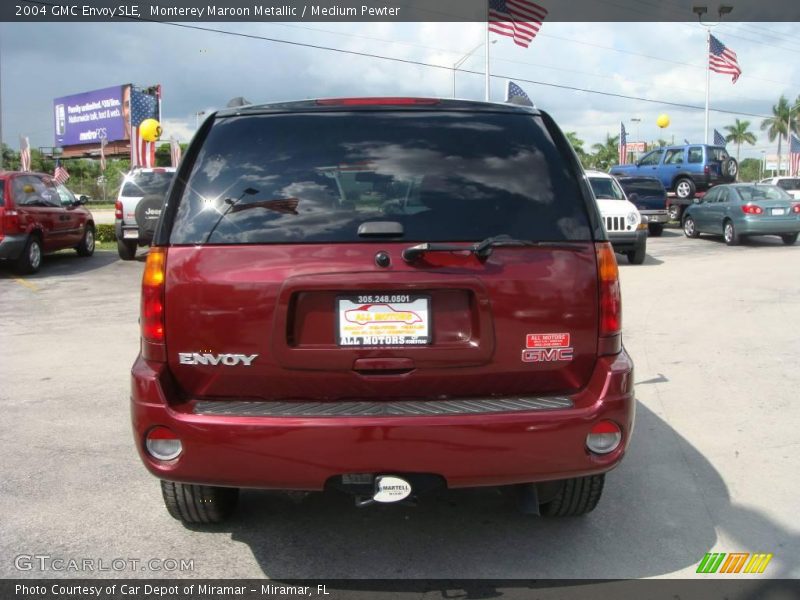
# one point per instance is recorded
(197, 116)
(463, 59)
(763, 166)
(636, 120)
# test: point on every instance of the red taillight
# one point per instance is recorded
(118, 210)
(796, 209)
(152, 313)
(610, 299)
(706, 169)
(9, 222)
(375, 101)
(752, 209)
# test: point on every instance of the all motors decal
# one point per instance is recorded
(547, 347)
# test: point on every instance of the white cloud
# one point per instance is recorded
(201, 70)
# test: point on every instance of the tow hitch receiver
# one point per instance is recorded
(368, 488)
(390, 488)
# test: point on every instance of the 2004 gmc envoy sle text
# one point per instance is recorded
(384, 296)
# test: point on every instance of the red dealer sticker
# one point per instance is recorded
(547, 340)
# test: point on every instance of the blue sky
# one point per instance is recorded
(201, 71)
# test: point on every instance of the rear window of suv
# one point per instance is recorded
(315, 177)
(146, 184)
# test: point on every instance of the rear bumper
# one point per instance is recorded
(624, 242)
(11, 246)
(769, 226)
(655, 216)
(129, 232)
(302, 453)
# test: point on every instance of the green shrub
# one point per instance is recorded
(105, 233)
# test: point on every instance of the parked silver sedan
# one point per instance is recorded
(743, 209)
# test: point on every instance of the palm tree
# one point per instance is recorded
(577, 145)
(776, 125)
(738, 134)
(607, 153)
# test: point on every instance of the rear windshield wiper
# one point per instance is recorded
(482, 249)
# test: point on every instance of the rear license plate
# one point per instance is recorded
(778, 212)
(383, 319)
(130, 233)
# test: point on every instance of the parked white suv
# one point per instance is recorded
(138, 207)
(791, 185)
(627, 229)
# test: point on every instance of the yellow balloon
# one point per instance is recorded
(662, 121)
(150, 130)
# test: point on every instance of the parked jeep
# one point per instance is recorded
(627, 229)
(683, 170)
(138, 207)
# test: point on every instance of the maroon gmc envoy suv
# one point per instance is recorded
(382, 296)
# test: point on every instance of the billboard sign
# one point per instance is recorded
(88, 117)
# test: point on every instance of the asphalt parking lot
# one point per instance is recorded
(712, 466)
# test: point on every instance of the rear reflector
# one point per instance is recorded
(152, 309)
(163, 444)
(604, 437)
(752, 209)
(610, 297)
(376, 101)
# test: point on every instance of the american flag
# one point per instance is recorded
(517, 95)
(722, 59)
(143, 106)
(719, 139)
(60, 174)
(623, 144)
(24, 153)
(174, 152)
(518, 19)
(794, 155)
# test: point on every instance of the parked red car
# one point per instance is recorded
(382, 296)
(39, 215)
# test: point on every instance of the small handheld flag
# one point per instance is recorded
(516, 95)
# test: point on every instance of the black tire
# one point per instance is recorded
(578, 496)
(148, 211)
(729, 233)
(689, 228)
(30, 261)
(655, 229)
(789, 239)
(86, 247)
(730, 169)
(638, 254)
(126, 249)
(198, 503)
(675, 212)
(684, 188)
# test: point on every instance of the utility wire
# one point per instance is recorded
(449, 68)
